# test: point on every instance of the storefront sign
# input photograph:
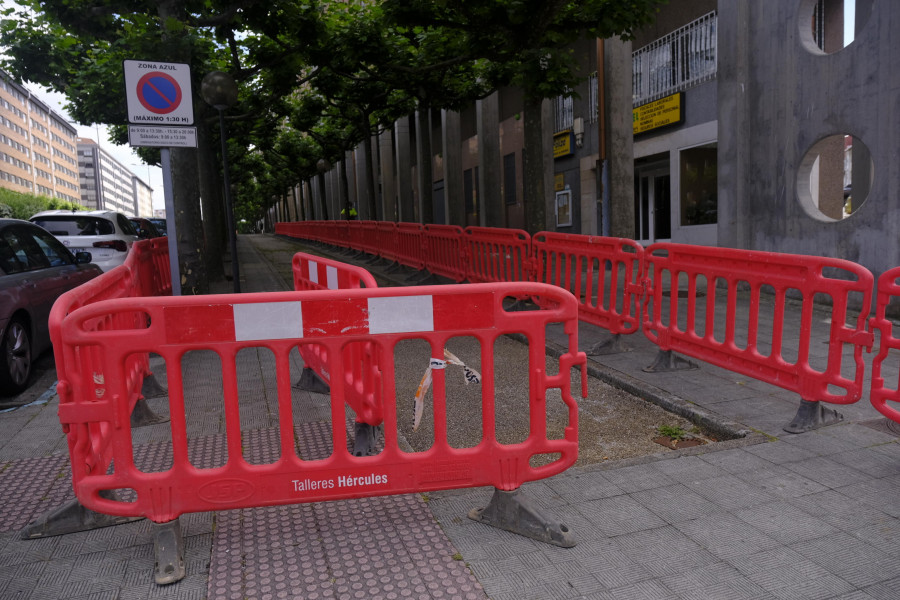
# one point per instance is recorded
(562, 144)
(660, 113)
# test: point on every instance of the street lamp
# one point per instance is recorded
(219, 91)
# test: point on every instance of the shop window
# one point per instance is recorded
(699, 186)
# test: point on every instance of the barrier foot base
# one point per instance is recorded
(72, 517)
(666, 360)
(311, 382)
(812, 415)
(515, 512)
(143, 415)
(614, 345)
(168, 546)
(365, 439)
(151, 387)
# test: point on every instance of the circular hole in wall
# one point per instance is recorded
(835, 177)
(827, 26)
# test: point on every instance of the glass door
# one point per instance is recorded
(652, 205)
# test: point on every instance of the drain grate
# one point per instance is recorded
(883, 425)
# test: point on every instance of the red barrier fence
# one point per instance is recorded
(410, 245)
(604, 274)
(498, 254)
(101, 444)
(363, 359)
(445, 252)
(680, 314)
(608, 276)
(882, 392)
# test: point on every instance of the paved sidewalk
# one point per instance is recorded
(772, 515)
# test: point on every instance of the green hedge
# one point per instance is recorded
(22, 206)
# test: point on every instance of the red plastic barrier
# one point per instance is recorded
(317, 273)
(445, 251)
(498, 254)
(888, 289)
(581, 263)
(149, 261)
(410, 245)
(684, 281)
(386, 240)
(138, 275)
(101, 443)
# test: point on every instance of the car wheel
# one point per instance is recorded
(15, 358)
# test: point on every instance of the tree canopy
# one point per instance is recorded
(316, 77)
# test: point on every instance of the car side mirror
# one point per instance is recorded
(83, 258)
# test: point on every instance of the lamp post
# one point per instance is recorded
(219, 91)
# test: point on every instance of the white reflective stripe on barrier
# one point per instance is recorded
(284, 320)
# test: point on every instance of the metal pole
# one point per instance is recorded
(229, 215)
(172, 237)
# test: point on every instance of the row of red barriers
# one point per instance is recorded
(670, 291)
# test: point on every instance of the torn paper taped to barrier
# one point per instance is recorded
(470, 376)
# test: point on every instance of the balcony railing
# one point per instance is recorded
(675, 62)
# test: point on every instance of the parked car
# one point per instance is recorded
(106, 234)
(160, 225)
(145, 228)
(35, 269)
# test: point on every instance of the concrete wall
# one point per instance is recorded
(777, 96)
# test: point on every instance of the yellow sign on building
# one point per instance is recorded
(562, 144)
(662, 112)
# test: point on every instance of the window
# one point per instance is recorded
(509, 179)
(699, 185)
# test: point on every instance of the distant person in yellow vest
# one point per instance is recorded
(349, 212)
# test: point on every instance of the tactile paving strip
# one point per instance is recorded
(37, 485)
(370, 548)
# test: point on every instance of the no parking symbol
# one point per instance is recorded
(158, 93)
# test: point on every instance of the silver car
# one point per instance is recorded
(35, 269)
(106, 234)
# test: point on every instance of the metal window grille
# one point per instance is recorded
(593, 97)
(564, 113)
(682, 59)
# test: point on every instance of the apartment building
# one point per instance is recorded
(107, 184)
(37, 146)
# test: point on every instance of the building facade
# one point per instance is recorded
(106, 184)
(740, 124)
(37, 146)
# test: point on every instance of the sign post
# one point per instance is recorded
(160, 109)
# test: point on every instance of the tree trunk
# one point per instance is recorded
(426, 176)
(212, 201)
(185, 182)
(533, 176)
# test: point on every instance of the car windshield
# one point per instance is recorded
(75, 225)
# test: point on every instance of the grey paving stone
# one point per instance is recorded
(727, 537)
(675, 503)
(850, 559)
(841, 511)
(665, 551)
(728, 492)
(717, 580)
(688, 469)
(736, 461)
(780, 452)
(638, 477)
(619, 515)
(785, 522)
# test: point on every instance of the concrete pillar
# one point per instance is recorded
(619, 140)
(453, 183)
(424, 173)
(388, 177)
(404, 169)
(490, 169)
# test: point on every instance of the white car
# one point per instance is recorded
(106, 234)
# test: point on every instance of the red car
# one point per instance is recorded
(35, 269)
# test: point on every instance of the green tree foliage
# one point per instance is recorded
(16, 205)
